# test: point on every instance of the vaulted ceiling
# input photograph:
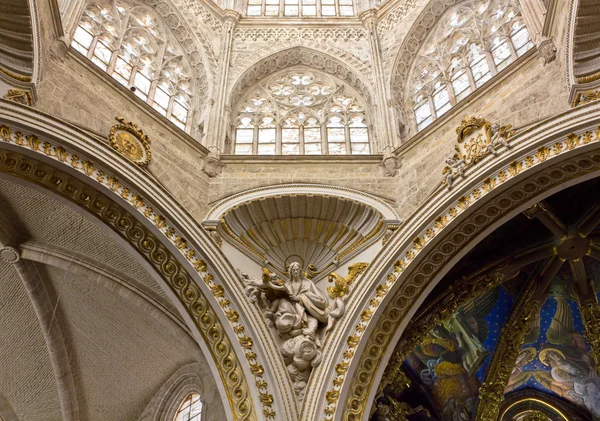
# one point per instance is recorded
(546, 259)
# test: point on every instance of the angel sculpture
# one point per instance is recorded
(302, 315)
(455, 168)
(499, 136)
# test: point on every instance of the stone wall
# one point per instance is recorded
(72, 90)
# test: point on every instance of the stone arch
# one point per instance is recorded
(417, 258)
(300, 56)
(19, 45)
(583, 52)
(207, 304)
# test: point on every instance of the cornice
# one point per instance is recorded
(301, 159)
(426, 245)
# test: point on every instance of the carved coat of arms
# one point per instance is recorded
(131, 142)
(476, 138)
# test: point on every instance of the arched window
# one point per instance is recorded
(471, 43)
(301, 112)
(190, 409)
(131, 44)
(300, 8)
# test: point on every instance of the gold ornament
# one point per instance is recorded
(131, 142)
(20, 96)
(341, 286)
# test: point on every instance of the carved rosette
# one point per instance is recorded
(131, 142)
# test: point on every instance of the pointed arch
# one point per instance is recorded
(300, 56)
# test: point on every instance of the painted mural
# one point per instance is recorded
(451, 361)
(555, 357)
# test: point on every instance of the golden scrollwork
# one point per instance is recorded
(512, 336)
(131, 142)
(20, 96)
(341, 285)
(394, 410)
(586, 97)
(462, 293)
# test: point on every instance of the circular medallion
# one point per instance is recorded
(127, 139)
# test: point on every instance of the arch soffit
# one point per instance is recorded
(217, 211)
(192, 280)
(445, 228)
(413, 41)
(294, 56)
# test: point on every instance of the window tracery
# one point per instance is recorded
(131, 44)
(301, 8)
(469, 45)
(301, 112)
(190, 409)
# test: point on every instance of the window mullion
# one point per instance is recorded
(491, 63)
(319, 8)
(431, 107)
(347, 137)
(278, 139)
(90, 53)
(324, 141)
(255, 140)
(451, 94)
(301, 139)
(471, 78)
(511, 47)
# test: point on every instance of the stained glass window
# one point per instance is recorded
(301, 112)
(190, 409)
(300, 8)
(132, 45)
(471, 43)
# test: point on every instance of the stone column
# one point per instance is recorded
(386, 136)
(217, 124)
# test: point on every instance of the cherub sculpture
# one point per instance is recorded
(498, 138)
(455, 168)
(301, 313)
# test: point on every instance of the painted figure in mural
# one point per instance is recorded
(454, 388)
(301, 313)
(570, 370)
(519, 375)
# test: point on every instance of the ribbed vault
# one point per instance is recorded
(512, 317)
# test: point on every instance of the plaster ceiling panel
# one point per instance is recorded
(120, 354)
(39, 217)
(318, 231)
(26, 375)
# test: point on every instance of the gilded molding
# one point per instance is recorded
(589, 79)
(590, 315)
(512, 336)
(586, 97)
(150, 246)
(20, 96)
(411, 288)
(341, 286)
(16, 76)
